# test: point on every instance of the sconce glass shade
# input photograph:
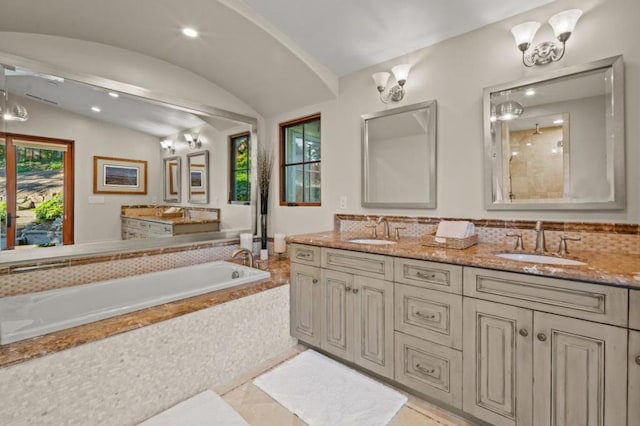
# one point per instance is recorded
(381, 79)
(564, 23)
(166, 143)
(401, 72)
(524, 34)
(509, 110)
(15, 112)
(188, 137)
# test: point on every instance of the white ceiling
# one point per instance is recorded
(275, 55)
(347, 36)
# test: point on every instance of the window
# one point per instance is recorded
(240, 168)
(300, 162)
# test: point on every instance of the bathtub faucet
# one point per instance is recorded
(246, 255)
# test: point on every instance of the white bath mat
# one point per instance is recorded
(323, 392)
(204, 409)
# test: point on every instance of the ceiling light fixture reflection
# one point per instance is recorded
(190, 32)
(15, 112)
(114, 95)
(95, 109)
(530, 92)
(508, 110)
(559, 121)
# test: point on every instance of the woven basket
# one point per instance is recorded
(453, 243)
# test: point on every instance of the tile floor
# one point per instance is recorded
(259, 409)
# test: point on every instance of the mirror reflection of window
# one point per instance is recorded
(240, 168)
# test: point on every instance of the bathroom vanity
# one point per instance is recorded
(503, 341)
(140, 222)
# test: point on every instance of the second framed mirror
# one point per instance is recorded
(198, 177)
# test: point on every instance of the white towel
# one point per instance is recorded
(454, 229)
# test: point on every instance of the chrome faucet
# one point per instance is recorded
(540, 242)
(247, 255)
(385, 223)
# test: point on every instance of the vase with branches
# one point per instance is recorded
(265, 167)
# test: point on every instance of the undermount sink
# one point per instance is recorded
(371, 241)
(539, 258)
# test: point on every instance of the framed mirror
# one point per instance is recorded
(198, 177)
(172, 179)
(399, 157)
(556, 142)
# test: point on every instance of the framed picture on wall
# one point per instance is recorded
(197, 179)
(119, 176)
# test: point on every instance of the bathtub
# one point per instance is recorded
(30, 315)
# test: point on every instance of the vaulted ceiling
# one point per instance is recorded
(275, 55)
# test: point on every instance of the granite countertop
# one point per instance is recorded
(602, 268)
(24, 350)
(171, 220)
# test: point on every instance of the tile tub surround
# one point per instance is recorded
(603, 268)
(18, 352)
(129, 377)
(595, 236)
(29, 276)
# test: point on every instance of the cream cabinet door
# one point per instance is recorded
(497, 365)
(305, 294)
(373, 325)
(337, 313)
(580, 372)
(634, 378)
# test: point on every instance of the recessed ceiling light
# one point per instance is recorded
(114, 94)
(95, 109)
(559, 121)
(530, 92)
(190, 32)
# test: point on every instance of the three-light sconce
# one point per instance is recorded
(563, 24)
(396, 93)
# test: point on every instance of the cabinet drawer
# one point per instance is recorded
(160, 228)
(431, 369)
(634, 309)
(429, 314)
(436, 276)
(369, 265)
(307, 255)
(575, 299)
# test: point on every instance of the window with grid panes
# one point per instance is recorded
(240, 168)
(300, 162)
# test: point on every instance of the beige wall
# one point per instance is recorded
(454, 73)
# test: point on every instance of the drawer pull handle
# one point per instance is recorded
(523, 332)
(542, 337)
(425, 316)
(428, 371)
(355, 291)
(348, 289)
(425, 276)
(301, 255)
(315, 281)
(638, 360)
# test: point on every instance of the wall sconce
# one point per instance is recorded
(563, 25)
(396, 93)
(168, 145)
(193, 140)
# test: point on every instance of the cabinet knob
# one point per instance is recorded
(523, 332)
(355, 291)
(542, 337)
(638, 360)
(315, 281)
(348, 289)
